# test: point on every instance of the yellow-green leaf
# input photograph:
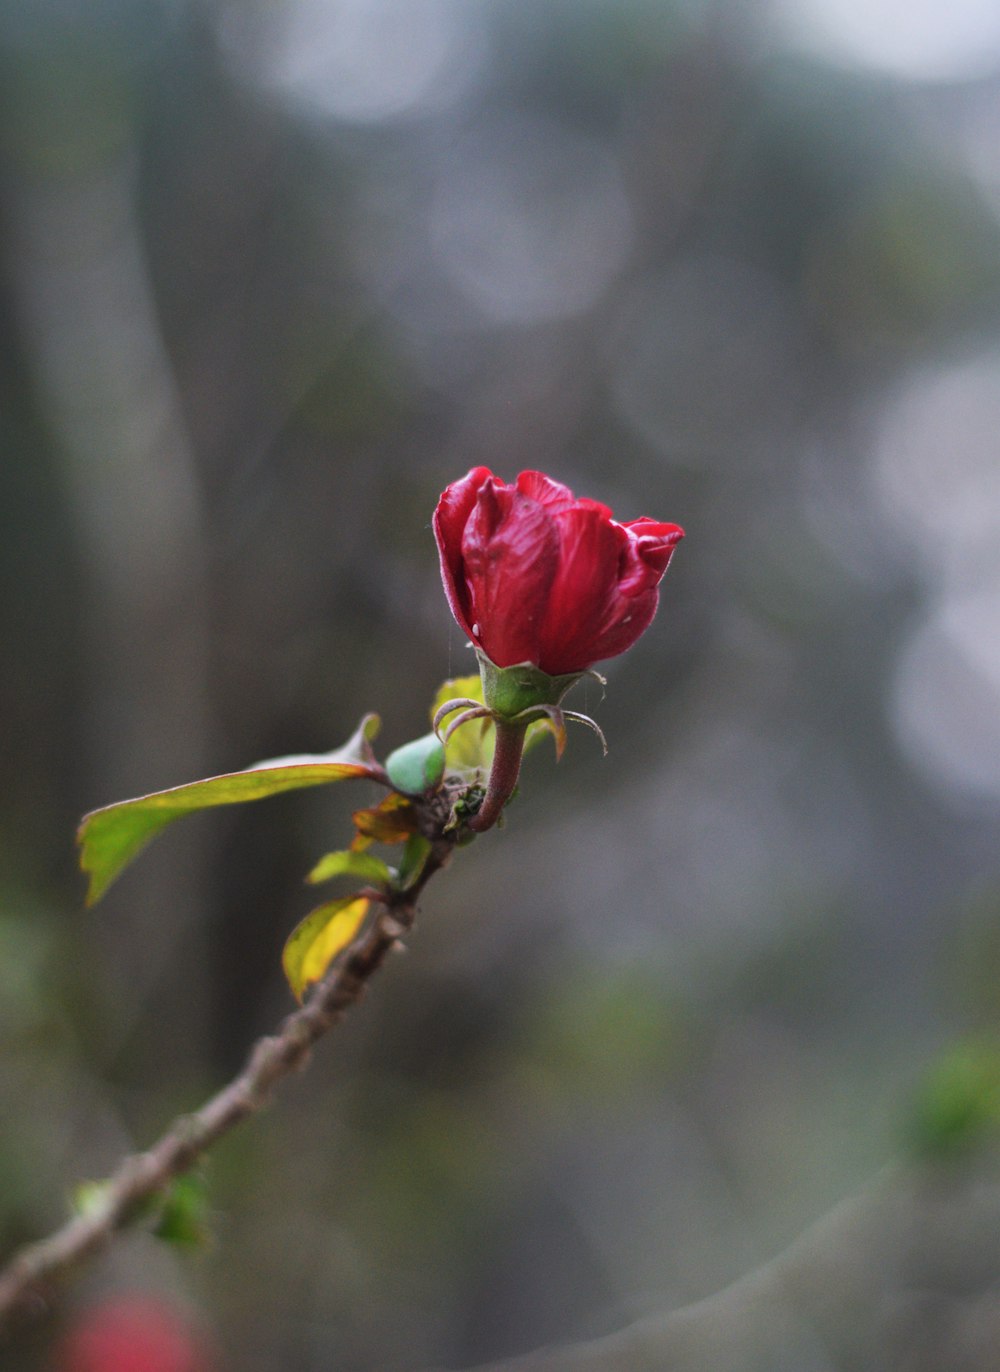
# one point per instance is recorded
(111, 837)
(350, 864)
(470, 747)
(314, 943)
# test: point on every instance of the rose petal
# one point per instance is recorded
(534, 574)
(584, 590)
(510, 552)
(647, 554)
(552, 494)
(450, 518)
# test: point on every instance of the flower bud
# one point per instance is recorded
(536, 576)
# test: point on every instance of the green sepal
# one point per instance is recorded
(111, 837)
(417, 767)
(511, 690)
(346, 863)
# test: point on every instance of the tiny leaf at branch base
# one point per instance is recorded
(314, 943)
(90, 1197)
(111, 837)
(393, 820)
(350, 864)
(415, 855)
(184, 1218)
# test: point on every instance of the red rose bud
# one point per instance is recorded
(535, 575)
(545, 585)
(130, 1334)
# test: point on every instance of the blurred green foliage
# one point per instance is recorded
(958, 1105)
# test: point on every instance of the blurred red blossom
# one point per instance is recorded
(134, 1333)
(535, 574)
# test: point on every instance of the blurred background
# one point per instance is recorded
(271, 275)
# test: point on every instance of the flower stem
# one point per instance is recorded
(503, 774)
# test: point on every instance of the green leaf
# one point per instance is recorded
(470, 747)
(418, 766)
(415, 855)
(314, 943)
(184, 1218)
(350, 864)
(111, 837)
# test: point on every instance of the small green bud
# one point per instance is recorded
(417, 767)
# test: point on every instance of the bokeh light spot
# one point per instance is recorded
(530, 220)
